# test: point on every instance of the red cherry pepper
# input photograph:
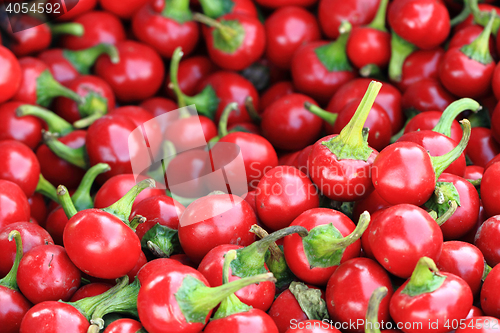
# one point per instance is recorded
(258, 154)
(38, 208)
(426, 95)
(14, 304)
(333, 239)
(391, 240)
(292, 306)
(349, 290)
(485, 146)
(489, 304)
(331, 14)
(424, 23)
(46, 273)
(88, 241)
(234, 41)
(117, 186)
(99, 93)
(286, 30)
(15, 206)
(487, 240)
(27, 130)
(464, 260)
(10, 74)
(168, 28)
(225, 215)
(340, 165)
(369, 47)
(216, 92)
(32, 236)
(191, 72)
(20, 165)
(421, 64)
(396, 162)
(275, 92)
(159, 233)
(137, 76)
(31, 37)
(288, 125)
(320, 68)
(432, 295)
(471, 63)
(464, 218)
(388, 98)
(57, 167)
(124, 325)
(378, 123)
(428, 120)
(89, 290)
(284, 193)
(99, 27)
(67, 65)
(467, 35)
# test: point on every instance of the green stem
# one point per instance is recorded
(443, 218)
(372, 325)
(83, 60)
(452, 111)
(276, 261)
(70, 28)
(66, 202)
(45, 188)
(351, 143)
(138, 219)
(87, 121)
(461, 16)
(160, 240)
(54, 123)
(123, 301)
(479, 49)
(82, 198)
(196, 300)
(424, 279)
(325, 245)
(482, 17)
(123, 207)
(440, 163)
(487, 270)
(216, 8)
(174, 73)
(249, 105)
(88, 305)
(93, 103)
(9, 280)
(333, 55)
(225, 117)
(47, 88)
(400, 50)
(310, 301)
(231, 304)
(177, 10)
(251, 259)
(75, 156)
(225, 31)
(378, 21)
(328, 117)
